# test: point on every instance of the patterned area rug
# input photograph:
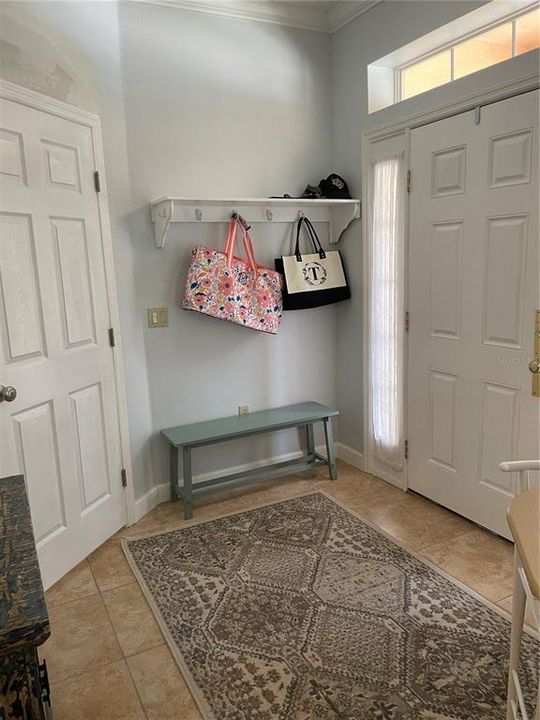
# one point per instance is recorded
(301, 611)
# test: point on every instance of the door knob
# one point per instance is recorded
(7, 393)
(534, 366)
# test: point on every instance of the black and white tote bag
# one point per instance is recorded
(312, 279)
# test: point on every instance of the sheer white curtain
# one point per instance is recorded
(387, 314)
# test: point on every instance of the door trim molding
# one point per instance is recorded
(501, 91)
(385, 131)
(44, 103)
(373, 465)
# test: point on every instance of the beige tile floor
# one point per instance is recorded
(106, 656)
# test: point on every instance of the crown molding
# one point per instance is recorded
(276, 11)
(345, 12)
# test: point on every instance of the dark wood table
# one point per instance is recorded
(24, 621)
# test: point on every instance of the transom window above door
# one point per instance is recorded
(471, 43)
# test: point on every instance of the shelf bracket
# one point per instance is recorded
(340, 219)
(161, 217)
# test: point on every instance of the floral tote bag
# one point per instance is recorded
(234, 289)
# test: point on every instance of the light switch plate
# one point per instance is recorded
(158, 317)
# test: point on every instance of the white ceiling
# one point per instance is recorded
(321, 15)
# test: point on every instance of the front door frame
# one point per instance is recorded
(44, 103)
(403, 128)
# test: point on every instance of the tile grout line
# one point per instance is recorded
(431, 545)
(99, 589)
(93, 575)
(146, 649)
(97, 665)
(124, 658)
(68, 602)
(136, 689)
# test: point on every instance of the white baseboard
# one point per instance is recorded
(161, 493)
(350, 455)
(150, 499)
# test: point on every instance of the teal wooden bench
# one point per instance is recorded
(200, 434)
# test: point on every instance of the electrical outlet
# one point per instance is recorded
(243, 409)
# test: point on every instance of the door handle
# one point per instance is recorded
(7, 393)
(534, 366)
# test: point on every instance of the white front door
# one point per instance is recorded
(473, 292)
(62, 429)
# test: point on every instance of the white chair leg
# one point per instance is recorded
(518, 616)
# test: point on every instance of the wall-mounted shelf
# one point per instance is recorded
(338, 213)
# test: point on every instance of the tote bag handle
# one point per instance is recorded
(246, 241)
(303, 220)
(314, 237)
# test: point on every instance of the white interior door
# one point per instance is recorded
(62, 429)
(473, 291)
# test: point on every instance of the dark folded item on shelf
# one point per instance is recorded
(334, 187)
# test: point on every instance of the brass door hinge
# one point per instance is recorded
(111, 337)
(123, 475)
(409, 181)
(406, 449)
(97, 181)
(406, 321)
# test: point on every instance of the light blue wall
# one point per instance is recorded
(223, 108)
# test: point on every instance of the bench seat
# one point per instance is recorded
(187, 437)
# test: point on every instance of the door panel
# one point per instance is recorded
(92, 452)
(23, 324)
(76, 301)
(510, 158)
(12, 165)
(473, 291)
(37, 438)
(442, 418)
(504, 282)
(498, 433)
(446, 274)
(62, 430)
(61, 163)
(448, 172)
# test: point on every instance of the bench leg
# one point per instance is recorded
(310, 439)
(173, 454)
(187, 490)
(518, 614)
(330, 451)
